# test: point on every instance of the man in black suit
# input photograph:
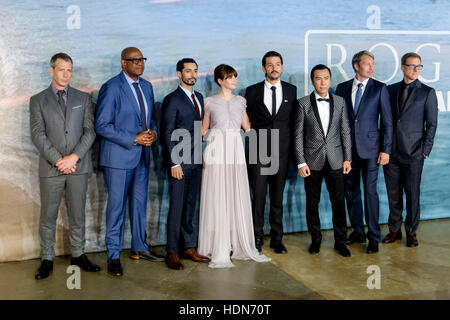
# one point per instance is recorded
(415, 112)
(181, 109)
(270, 107)
(323, 149)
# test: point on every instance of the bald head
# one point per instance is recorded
(133, 63)
(127, 51)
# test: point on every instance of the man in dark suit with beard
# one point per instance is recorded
(368, 102)
(181, 109)
(270, 107)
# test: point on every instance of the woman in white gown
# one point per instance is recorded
(226, 224)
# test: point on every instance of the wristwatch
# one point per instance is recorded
(135, 142)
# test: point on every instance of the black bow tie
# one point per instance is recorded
(323, 99)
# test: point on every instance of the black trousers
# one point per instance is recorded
(405, 177)
(276, 185)
(334, 180)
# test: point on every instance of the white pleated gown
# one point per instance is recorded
(226, 223)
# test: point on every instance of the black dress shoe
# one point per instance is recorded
(355, 237)
(314, 248)
(278, 247)
(147, 255)
(392, 236)
(411, 241)
(114, 267)
(259, 243)
(372, 247)
(44, 270)
(342, 250)
(84, 263)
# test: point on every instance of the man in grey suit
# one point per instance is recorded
(323, 150)
(62, 129)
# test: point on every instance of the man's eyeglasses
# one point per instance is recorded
(413, 66)
(137, 60)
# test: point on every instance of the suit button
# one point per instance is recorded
(356, 120)
(67, 132)
(398, 120)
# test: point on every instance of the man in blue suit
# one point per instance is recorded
(125, 120)
(371, 146)
(182, 112)
(415, 113)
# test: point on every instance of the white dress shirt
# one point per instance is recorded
(355, 88)
(324, 114)
(268, 95)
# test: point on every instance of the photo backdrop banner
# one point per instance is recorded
(234, 32)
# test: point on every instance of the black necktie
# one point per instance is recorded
(61, 102)
(274, 101)
(323, 99)
(403, 98)
(141, 105)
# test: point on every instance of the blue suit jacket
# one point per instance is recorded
(118, 121)
(369, 138)
(178, 112)
(415, 126)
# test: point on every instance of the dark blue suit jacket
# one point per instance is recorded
(369, 138)
(178, 112)
(415, 126)
(118, 121)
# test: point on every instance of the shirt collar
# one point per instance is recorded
(189, 94)
(129, 80)
(269, 85)
(317, 96)
(55, 91)
(355, 82)
(411, 85)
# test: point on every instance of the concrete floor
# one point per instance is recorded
(406, 273)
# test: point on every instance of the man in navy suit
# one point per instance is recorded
(415, 112)
(125, 120)
(182, 112)
(368, 100)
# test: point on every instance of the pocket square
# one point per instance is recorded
(76, 107)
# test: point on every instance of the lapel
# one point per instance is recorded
(70, 103)
(126, 89)
(53, 102)
(366, 93)
(260, 101)
(187, 100)
(331, 111)
(148, 97)
(348, 96)
(283, 103)
(312, 98)
(412, 95)
(396, 90)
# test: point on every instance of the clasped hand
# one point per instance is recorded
(67, 164)
(146, 138)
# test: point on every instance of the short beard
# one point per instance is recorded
(270, 78)
(187, 83)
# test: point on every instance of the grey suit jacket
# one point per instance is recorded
(56, 136)
(311, 144)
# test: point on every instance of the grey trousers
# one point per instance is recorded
(52, 189)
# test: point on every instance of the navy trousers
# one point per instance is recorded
(368, 170)
(184, 195)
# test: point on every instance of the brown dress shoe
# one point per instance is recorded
(192, 254)
(173, 262)
(392, 236)
(411, 241)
